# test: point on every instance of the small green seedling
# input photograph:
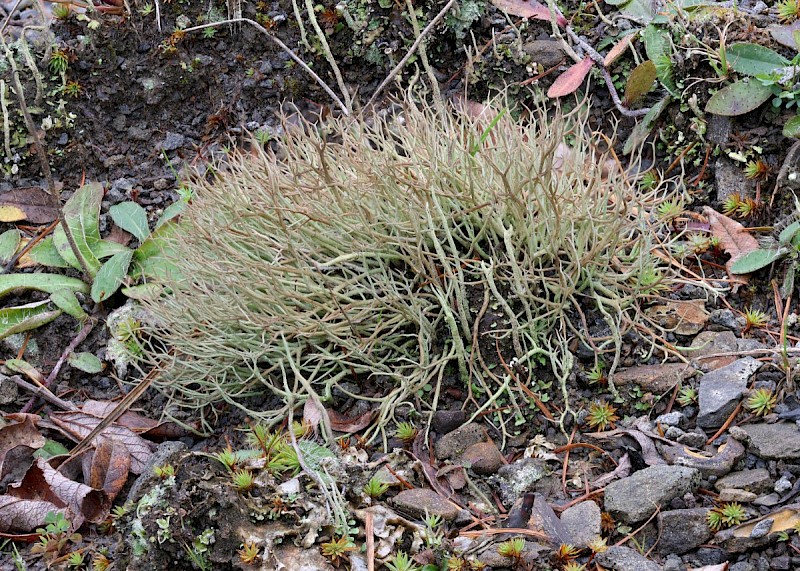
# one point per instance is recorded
(761, 402)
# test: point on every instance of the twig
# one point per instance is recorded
(43, 392)
(10, 13)
(27, 248)
(638, 529)
(369, 531)
(726, 424)
(118, 411)
(410, 52)
(285, 48)
(504, 530)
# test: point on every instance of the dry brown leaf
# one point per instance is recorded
(529, 9)
(733, 237)
(42, 481)
(109, 468)
(623, 470)
(138, 423)
(29, 203)
(78, 425)
(22, 433)
(20, 515)
(342, 423)
(312, 413)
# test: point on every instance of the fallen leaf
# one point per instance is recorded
(77, 425)
(342, 423)
(18, 514)
(618, 50)
(640, 81)
(42, 481)
(29, 203)
(312, 413)
(529, 9)
(733, 237)
(22, 433)
(623, 470)
(140, 424)
(570, 80)
(720, 567)
(109, 467)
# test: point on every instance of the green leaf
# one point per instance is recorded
(753, 59)
(658, 47)
(9, 244)
(132, 218)
(791, 128)
(171, 211)
(86, 362)
(108, 248)
(51, 448)
(110, 276)
(151, 258)
(82, 213)
(21, 366)
(46, 254)
(66, 301)
(786, 235)
(26, 317)
(756, 260)
(49, 283)
(642, 129)
(640, 82)
(738, 98)
(143, 291)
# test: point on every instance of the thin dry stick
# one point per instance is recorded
(369, 531)
(410, 52)
(27, 248)
(43, 392)
(727, 423)
(285, 48)
(55, 195)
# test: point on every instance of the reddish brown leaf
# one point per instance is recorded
(733, 237)
(529, 9)
(25, 515)
(342, 423)
(312, 413)
(29, 203)
(77, 425)
(110, 465)
(618, 50)
(570, 80)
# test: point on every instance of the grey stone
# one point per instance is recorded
(673, 563)
(719, 129)
(780, 563)
(454, 443)
(119, 189)
(530, 553)
(757, 481)
(421, 501)
(515, 479)
(582, 522)
(762, 528)
(9, 391)
(742, 566)
(712, 343)
(730, 180)
(736, 495)
(674, 418)
(445, 421)
(548, 53)
(673, 433)
(721, 390)
(625, 559)
(655, 378)
(693, 439)
(637, 497)
(682, 530)
(482, 457)
(783, 485)
(778, 441)
(725, 319)
(172, 141)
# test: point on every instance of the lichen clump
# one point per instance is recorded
(395, 253)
